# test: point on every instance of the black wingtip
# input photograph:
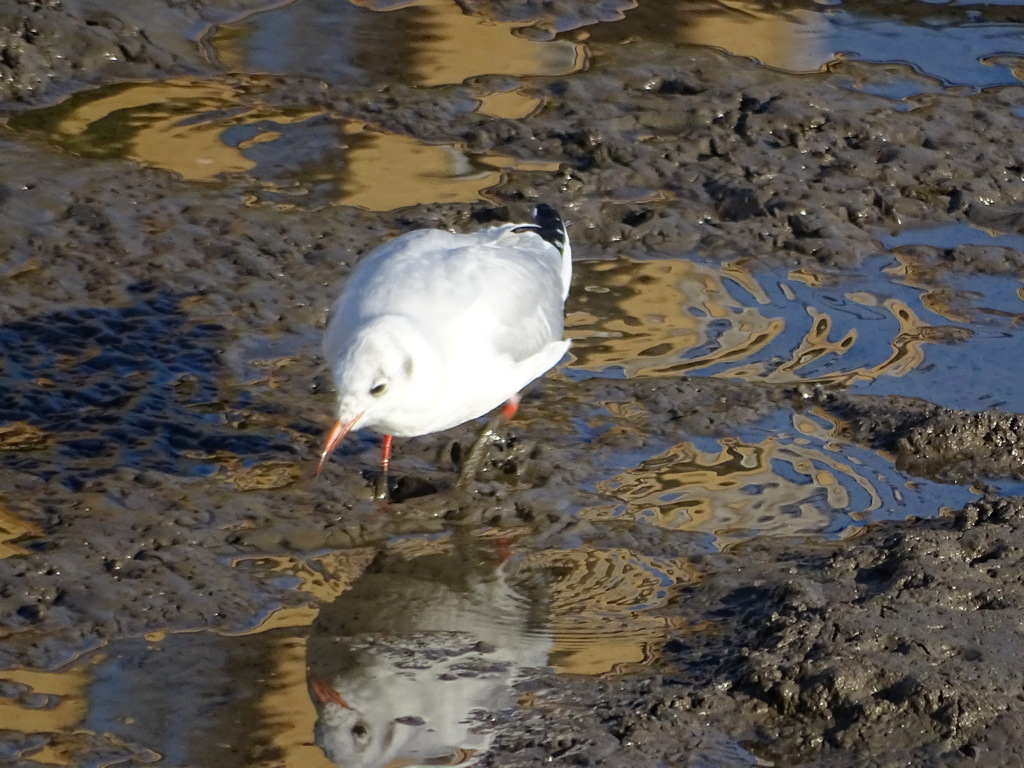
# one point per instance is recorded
(549, 225)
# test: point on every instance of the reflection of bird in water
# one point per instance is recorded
(434, 328)
(405, 666)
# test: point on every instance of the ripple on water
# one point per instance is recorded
(672, 317)
(778, 479)
(440, 619)
(891, 322)
(602, 616)
(886, 330)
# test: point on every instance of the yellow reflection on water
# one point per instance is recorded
(183, 125)
(13, 528)
(322, 578)
(943, 296)
(387, 171)
(784, 487)
(54, 712)
(65, 710)
(601, 618)
(458, 46)
(795, 40)
(423, 42)
(644, 316)
(22, 436)
(285, 712)
(176, 125)
(511, 105)
(670, 317)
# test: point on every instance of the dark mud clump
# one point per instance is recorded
(46, 45)
(931, 441)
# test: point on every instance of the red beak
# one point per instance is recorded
(338, 431)
(322, 693)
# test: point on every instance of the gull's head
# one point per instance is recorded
(346, 736)
(378, 373)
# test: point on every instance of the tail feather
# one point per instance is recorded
(550, 226)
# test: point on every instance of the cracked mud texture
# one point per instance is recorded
(133, 294)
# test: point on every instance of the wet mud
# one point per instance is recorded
(897, 649)
(162, 400)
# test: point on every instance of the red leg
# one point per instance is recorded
(381, 491)
(503, 548)
(508, 410)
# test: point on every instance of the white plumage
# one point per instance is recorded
(405, 667)
(434, 329)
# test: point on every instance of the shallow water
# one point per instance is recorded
(887, 330)
(166, 401)
(974, 46)
(220, 128)
(429, 43)
(205, 698)
(779, 479)
(207, 130)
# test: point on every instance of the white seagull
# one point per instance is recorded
(433, 329)
(406, 667)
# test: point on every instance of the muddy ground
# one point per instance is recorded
(144, 451)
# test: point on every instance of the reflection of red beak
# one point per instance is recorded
(322, 693)
(338, 431)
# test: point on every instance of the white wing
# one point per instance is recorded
(497, 287)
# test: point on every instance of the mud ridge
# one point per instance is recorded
(931, 441)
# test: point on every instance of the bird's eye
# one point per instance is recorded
(360, 732)
(378, 389)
